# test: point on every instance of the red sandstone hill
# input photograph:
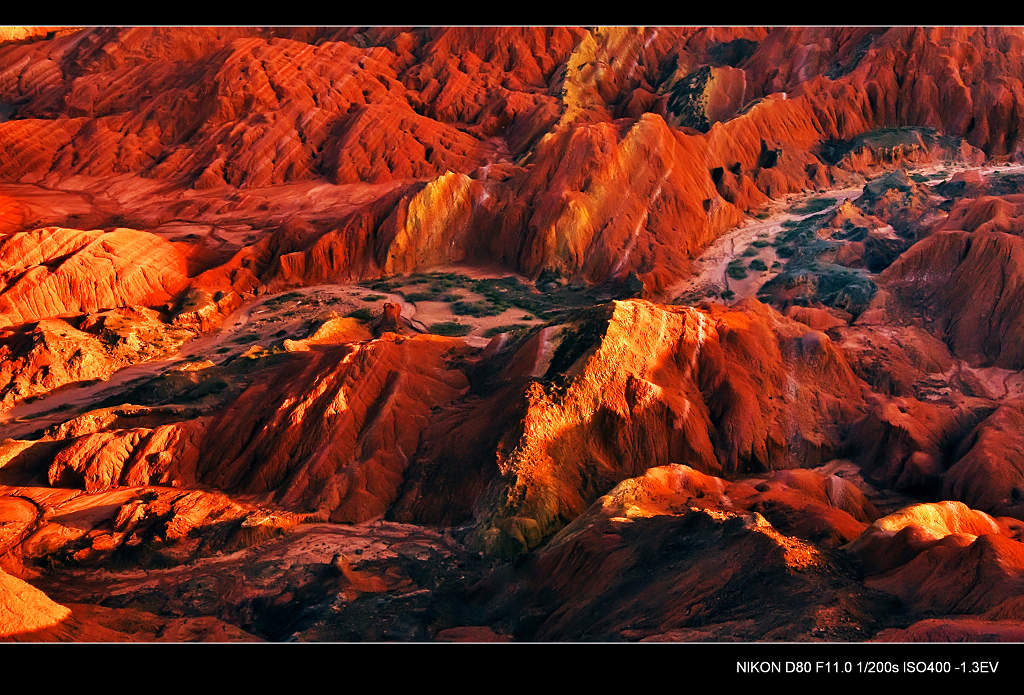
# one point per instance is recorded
(652, 560)
(347, 430)
(546, 122)
(346, 333)
(727, 391)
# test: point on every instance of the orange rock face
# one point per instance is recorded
(945, 558)
(57, 272)
(728, 390)
(361, 333)
(40, 356)
(586, 107)
(969, 287)
(692, 591)
(336, 442)
(24, 609)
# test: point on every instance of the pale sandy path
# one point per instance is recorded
(710, 267)
(255, 322)
(712, 264)
(259, 321)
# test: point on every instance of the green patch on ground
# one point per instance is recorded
(423, 297)
(814, 205)
(476, 309)
(383, 285)
(510, 328)
(450, 328)
(282, 299)
(800, 238)
(172, 387)
(1006, 183)
(851, 232)
(736, 270)
(551, 297)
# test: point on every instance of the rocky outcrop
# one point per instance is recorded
(324, 463)
(330, 429)
(167, 454)
(695, 573)
(24, 609)
(637, 385)
(989, 473)
(352, 428)
(902, 443)
(145, 525)
(38, 357)
(514, 112)
(955, 629)
(56, 272)
(333, 432)
(969, 287)
(944, 558)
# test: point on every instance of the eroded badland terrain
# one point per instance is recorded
(511, 334)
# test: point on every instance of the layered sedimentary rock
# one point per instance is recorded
(988, 473)
(44, 355)
(340, 453)
(637, 385)
(57, 272)
(336, 442)
(515, 111)
(136, 523)
(945, 558)
(714, 575)
(333, 425)
(329, 429)
(969, 286)
(25, 609)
